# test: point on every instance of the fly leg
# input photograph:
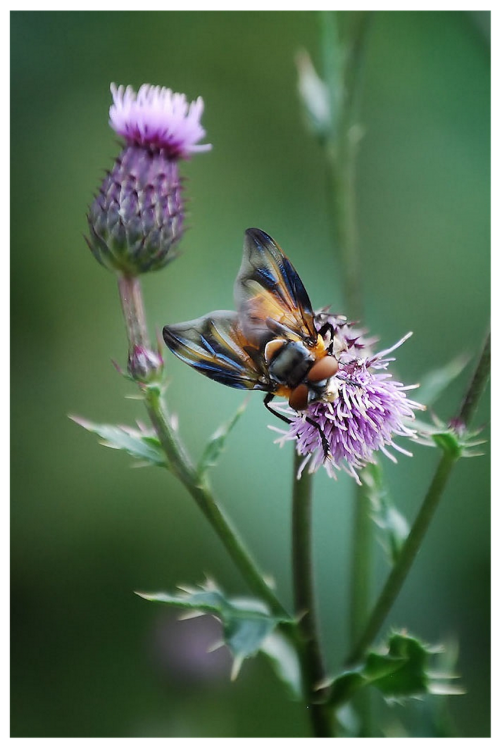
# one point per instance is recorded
(326, 447)
(268, 398)
(324, 442)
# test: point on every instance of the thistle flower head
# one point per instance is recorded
(370, 410)
(137, 217)
(159, 118)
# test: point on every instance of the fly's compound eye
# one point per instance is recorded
(324, 368)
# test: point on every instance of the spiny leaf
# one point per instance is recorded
(284, 660)
(393, 526)
(215, 445)
(401, 671)
(407, 660)
(446, 438)
(139, 443)
(206, 601)
(448, 442)
(246, 623)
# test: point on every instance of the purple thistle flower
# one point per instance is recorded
(157, 117)
(137, 217)
(369, 410)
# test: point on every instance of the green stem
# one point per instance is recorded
(313, 669)
(477, 384)
(343, 67)
(416, 536)
(406, 558)
(361, 561)
(362, 553)
(182, 467)
(133, 311)
(180, 464)
(340, 188)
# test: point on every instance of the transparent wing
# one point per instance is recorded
(215, 346)
(269, 294)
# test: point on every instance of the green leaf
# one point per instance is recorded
(139, 443)
(436, 381)
(246, 623)
(379, 667)
(455, 443)
(448, 442)
(345, 686)
(393, 526)
(285, 662)
(246, 627)
(376, 668)
(406, 668)
(210, 602)
(216, 444)
(401, 671)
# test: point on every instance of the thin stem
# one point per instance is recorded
(133, 311)
(362, 555)
(361, 562)
(342, 60)
(477, 384)
(340, 187)
(343, 67)
(180, 464)
(416, 536)
(183, 468)
(406, 558)
(313, 669)
(343, 56)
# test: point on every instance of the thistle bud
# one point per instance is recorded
(136, 218)
(145, 365)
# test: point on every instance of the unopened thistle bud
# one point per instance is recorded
(137, 217)
(145, 365)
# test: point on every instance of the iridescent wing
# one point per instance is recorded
(270, 296)
(215, 346)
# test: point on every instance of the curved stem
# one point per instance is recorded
(184, 469)
(180, 464)
(313, 669)
(406, 558)
(415, 538)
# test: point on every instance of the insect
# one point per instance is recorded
(271, 343)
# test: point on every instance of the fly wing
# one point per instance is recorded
(271, 298)
(215, 346)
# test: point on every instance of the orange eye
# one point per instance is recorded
(324, 368)
(298, 397)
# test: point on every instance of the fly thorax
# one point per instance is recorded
(290, 363)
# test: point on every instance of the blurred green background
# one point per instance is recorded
(89, 658)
